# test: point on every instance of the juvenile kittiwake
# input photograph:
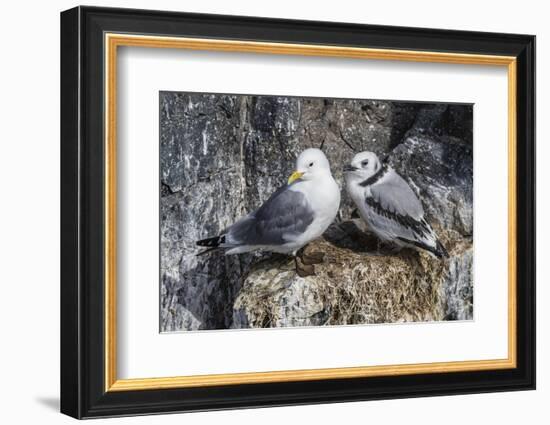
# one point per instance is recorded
(389, 206)
(296, 214)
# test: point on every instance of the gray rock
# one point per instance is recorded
(451, 121)
(457, 287)
(442, 175)
(201, 178)
(198, 138)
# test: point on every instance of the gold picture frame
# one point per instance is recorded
(114, 41)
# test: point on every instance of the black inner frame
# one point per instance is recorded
(82, 212)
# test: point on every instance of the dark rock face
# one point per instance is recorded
(223, 155)
(442, 175)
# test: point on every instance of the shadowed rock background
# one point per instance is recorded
(221, 156)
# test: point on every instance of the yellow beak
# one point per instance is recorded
(294, 176)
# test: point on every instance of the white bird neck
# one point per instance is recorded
(320, 191)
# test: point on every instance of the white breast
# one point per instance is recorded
(323, 195)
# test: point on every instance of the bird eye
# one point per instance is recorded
(365, 163)
(311, 164)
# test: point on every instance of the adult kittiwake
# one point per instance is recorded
(296, 214)
(389, 206)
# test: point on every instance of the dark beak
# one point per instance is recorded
(349, 168)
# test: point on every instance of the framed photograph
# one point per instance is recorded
(261, 212)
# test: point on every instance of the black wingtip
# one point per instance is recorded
(211, 242)
(440, 251)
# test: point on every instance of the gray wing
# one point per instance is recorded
(284, 215)
(397, 213)
(394, 195)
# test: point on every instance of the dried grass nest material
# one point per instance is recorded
(356, 285)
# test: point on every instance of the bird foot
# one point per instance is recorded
(303, 269)
(313, 258)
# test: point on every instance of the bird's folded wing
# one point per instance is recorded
(285, 215)
(394, 195)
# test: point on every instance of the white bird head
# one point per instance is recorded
(362, 166)
(310, 164)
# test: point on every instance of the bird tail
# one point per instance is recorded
(440, 251)
(214, 242)
(211, 243)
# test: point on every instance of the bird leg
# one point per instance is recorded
(313, 258)
(302, 269)
(305, 261)
(310, 258)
